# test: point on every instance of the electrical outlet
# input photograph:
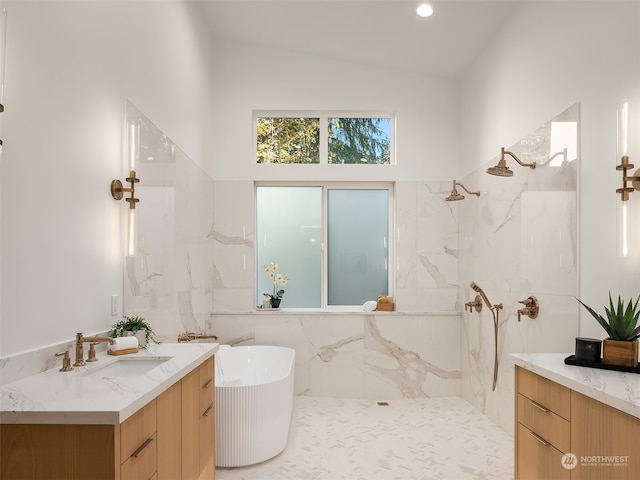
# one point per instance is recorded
(115, 305)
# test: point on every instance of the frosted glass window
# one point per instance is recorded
(293, 223)
(357, 230)
(289, 233)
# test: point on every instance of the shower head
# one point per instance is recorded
(501, 169)
(455, 195)
(482, 294)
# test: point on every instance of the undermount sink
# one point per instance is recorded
(127, 367)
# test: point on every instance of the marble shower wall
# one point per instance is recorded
(412, 352)
(520, 239)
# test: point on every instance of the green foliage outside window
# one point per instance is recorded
(295, 140)
(359, 140)
(288, 140)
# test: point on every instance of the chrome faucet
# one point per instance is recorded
(80, 340)
(188, 336)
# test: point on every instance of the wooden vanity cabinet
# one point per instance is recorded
(198, 416)
(553, 420)
(543, 427)
(170, 438)
(598, 430)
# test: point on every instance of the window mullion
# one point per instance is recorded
(324, 139)
(323, 249)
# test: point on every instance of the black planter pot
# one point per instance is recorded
(275, 302)
(588, 349)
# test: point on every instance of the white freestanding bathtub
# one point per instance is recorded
(254, 402)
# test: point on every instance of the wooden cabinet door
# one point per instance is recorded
(169, 420)
(604, 441)
(190, 426)
(207, 412)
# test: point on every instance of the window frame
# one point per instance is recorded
(325, 186)
(324, 116)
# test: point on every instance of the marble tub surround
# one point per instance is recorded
(619, 390)
(78, 397)
(371, 356)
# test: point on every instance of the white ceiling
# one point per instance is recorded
(383, 33)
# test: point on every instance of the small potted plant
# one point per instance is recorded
(278, 280)
(131, 326)
(621, 324)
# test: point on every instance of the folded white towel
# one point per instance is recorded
(369, 306)
(124, 343)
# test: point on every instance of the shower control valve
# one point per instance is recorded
(477, 304)
(531, 308)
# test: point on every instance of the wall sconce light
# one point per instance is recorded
(118, 191)
(630, 183)
(502, 170)
(455, 196)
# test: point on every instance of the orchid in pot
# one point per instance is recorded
(278, 280)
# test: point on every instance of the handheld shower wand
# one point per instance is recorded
(482, 294)
(495, 311)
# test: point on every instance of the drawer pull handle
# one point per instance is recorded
(208, 411)
(208, 384)
(540, 439)
(539, 407)
(142, 447)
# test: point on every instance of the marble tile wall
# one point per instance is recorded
(412, 352)
(169, 281)
(519, 239)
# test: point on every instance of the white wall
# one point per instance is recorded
(250, 78)
(69, 68)
(549, 56)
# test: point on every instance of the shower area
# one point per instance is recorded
(515, 236)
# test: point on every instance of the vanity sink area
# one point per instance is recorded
(105, 392)
(134, 408)
(127, 367)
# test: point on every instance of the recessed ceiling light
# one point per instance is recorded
(424, 10)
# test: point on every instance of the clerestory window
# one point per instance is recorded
(324, 138)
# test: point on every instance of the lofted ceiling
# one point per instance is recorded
(381, 33)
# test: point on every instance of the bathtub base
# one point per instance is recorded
(253, 421)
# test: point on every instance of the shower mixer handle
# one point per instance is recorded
(477, 304)
(531, 308)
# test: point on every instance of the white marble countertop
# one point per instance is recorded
(81, 397)
(620, 390)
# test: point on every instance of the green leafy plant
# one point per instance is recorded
(277, 278)
(133, 324)
(621, 323)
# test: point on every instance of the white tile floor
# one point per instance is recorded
(432, 438)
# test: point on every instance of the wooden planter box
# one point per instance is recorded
(619, 352)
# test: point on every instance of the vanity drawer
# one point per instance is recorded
(142, 463)
(544, 423)
(544, 392)
(536, 460)
(206, 382)
(136, 430)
